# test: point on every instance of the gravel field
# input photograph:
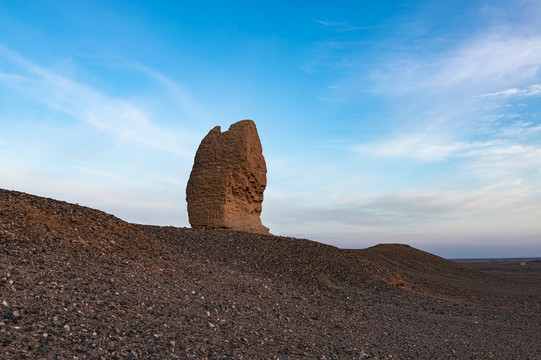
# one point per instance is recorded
(515, 268)
(77, 283)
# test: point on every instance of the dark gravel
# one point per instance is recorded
(81, 284)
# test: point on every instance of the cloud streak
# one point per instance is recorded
(414, 147)
(416, 211)
(340, 26)
(531, 91)
(488, 61)
(119, 117)
(180, 96)
(489, 210)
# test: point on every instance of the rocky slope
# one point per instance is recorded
(81, 284)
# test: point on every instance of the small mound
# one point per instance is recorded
(418, 270)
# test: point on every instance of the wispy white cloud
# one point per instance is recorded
(488, 61)
(181, 96)
(521, 129)
(497, 207)
(330, 54)
(119, 117)
(413, 147)
(506, 161)
(491, 160)
(340, 26)
(307, 68)
(531, 91)
(102, 174)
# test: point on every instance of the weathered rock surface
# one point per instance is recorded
(228, 178)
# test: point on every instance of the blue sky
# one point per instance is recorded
(397, 121)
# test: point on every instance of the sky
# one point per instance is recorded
(413, 122)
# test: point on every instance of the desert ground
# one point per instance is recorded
(526, 268)
(77, 283)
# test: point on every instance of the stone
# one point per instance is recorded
(228, 178)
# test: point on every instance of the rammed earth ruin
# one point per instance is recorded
(228, 178)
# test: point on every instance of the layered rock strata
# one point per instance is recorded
(228, 178)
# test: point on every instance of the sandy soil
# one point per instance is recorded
(81, 284)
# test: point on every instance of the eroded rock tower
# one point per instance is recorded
(228, 178)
